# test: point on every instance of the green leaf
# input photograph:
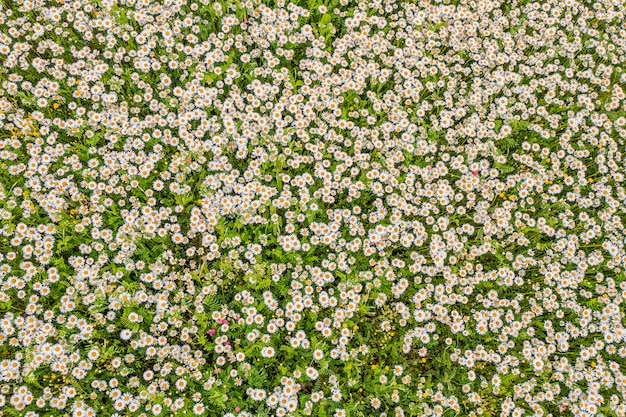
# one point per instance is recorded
(505, 169)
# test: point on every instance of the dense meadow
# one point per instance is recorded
(312, 208)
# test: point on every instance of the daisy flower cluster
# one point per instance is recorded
(304, 207)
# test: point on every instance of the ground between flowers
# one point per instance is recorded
(338, 208)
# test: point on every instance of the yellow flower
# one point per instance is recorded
(55, 106)
(355, 327)
(423, 360)
(344, 325)
(386, 368)
(374, 366)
